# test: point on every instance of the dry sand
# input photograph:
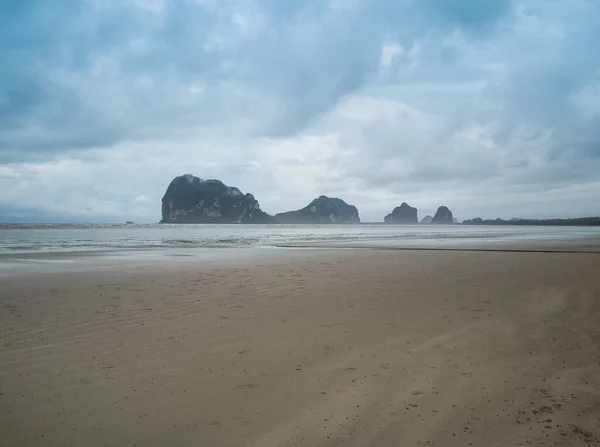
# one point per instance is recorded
(357, 348)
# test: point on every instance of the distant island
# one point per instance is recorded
(402, 215)
(443, 216)
(408, 215)
(579, 221)
(322, 210)
(192, 200)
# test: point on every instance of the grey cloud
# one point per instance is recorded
(480, 100)
(112, 71)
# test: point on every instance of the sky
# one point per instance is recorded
(491, 108)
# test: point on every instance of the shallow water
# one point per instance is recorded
(184, 239)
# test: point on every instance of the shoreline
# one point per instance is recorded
(151, 239)
(432, 241)
(63, 262)
(587, 248)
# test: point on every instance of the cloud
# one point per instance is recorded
(488, 107)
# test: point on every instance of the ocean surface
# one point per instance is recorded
(29, 239)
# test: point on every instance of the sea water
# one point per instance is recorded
(32, 239)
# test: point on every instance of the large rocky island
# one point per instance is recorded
(323, 210)
(402, 215)
(190, 199)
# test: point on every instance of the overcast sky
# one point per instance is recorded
(489, 107)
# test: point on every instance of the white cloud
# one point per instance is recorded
(143, 199)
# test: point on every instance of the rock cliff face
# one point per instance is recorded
(323, 210)
(403, 215)
(443, 216)
(190, 199)
(427, 219)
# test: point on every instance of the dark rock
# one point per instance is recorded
(323, 210)
(403, 215)
(443, 216)
(427, 219)
(455, 221)
(190, 199)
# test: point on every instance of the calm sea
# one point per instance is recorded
(185, 238)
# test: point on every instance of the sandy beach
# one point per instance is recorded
(346, 348)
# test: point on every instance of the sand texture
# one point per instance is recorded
(356, 348)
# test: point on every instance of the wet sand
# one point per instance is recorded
(352, 348)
